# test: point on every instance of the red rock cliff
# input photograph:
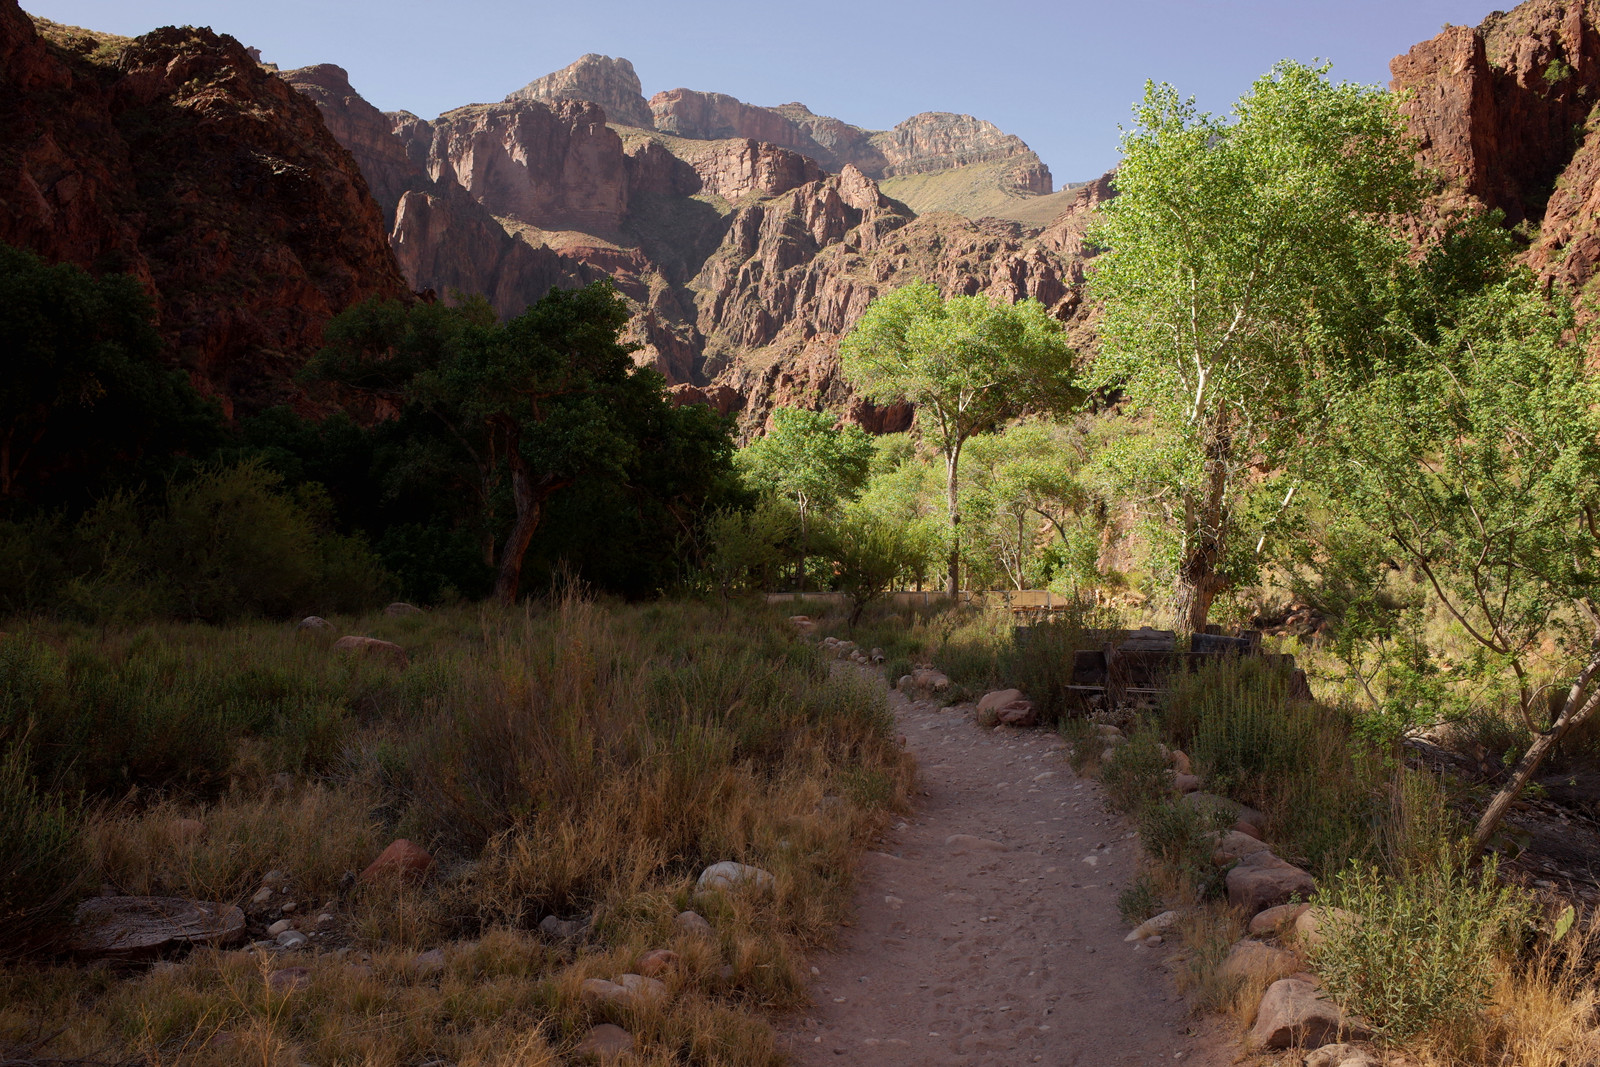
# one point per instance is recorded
(177, 158)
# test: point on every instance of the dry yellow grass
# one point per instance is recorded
(583, 761)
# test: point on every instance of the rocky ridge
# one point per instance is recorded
(926, 143)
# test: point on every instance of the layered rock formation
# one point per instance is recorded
(176, 158)
(597, 79)
(745, 258)
(1504, 117)
(927, 143)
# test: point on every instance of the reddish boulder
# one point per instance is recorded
(1262, 880)
(403, 860)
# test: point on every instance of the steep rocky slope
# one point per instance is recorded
(1505, 115)
(176, 158)
(745, 260)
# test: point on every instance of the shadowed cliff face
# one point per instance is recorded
(176, 158)
(1502, 114)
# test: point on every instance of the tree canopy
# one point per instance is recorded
(1245, 255)
(967, 364)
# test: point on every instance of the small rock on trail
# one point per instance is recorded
(979, 936)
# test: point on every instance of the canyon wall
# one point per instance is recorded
(176, 158)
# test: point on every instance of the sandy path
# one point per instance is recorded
(1004, 947)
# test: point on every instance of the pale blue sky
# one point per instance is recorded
(1059, 75)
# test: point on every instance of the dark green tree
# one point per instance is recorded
(85, 398)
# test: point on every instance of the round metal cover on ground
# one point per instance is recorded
(132, 927)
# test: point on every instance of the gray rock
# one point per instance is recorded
(262, 896)
(279, 927)
(1253, 961)
(1261, 880)
(604, 1044)
(692, 924)
(429, 963)
(563, 929)
(398, 608)
(288, 979)
(314, 622)
(730, 875)
(292, 939)
(1341, 1055)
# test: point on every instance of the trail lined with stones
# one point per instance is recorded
(986, 927)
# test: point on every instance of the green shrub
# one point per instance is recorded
(1139, 900)
(1298, 761)
(1424, 946)
(1178, 837)
(1137, 775)
(42, 863)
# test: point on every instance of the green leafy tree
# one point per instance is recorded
(531, 407)
(968, 364)
(812, 461)
(1021, 484)
(1244, 255)
(869, 556)
(1477, 460)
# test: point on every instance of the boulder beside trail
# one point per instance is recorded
(1253, 961)
(1341, 1055)
(398, 609)
(1294, 1014)
(132, 928)
(692, 924)
(728, 875)
(605, 1043)
(1311, 925)
(1273, 920)
(314, 622)
(1261, 880)
(1006, 707)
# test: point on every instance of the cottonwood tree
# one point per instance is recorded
(810, 459)
(1477, 459)
(1243, 252)
(968, 364)
(549, 398)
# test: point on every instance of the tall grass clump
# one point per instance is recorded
(40, 853)
(1298, 761)
(1420, 950)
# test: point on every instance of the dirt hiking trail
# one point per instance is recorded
(986, 927)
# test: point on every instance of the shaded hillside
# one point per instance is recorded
(176, 158)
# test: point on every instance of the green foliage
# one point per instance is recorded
(1244, 255)
(749, 547)
(1294, 759)
(226, 542)
(869, 556)
(168, 706)
(1139, 900)
(967, 363)
(1137, 775)
(85, 401)
(40, 853)
(1424, 948)
(808, 458)
(536, 442)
